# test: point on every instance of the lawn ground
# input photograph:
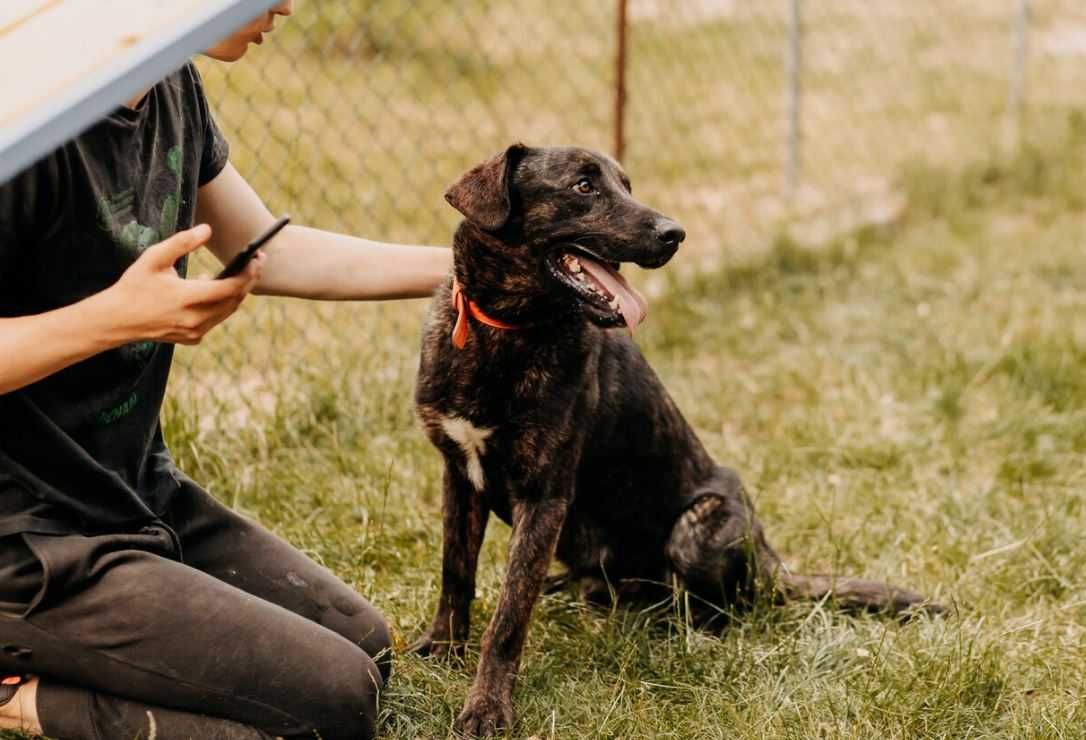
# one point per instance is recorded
(906, 403)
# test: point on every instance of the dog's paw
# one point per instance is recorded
(429, 646)
(484, 716)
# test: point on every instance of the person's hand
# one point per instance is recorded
(158, 304)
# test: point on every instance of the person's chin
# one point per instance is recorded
(231, 54)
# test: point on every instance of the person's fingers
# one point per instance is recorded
(167, 252)
(247, 279)
(202, 293)
(239, 285)
(253, 271)
(198, 320)
(217, 317)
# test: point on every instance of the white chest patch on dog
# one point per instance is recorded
(472, 441)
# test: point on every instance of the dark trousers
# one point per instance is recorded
(203, 626)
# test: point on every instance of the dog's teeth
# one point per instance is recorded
(614, 304)
(574, 265)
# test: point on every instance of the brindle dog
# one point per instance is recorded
(554, 421)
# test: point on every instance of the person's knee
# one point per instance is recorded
(367, 628)
(378, 645)
(351, 693)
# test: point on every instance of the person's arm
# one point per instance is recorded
(149, 301)
(309, 263)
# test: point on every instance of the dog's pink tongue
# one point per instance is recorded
(630, 302)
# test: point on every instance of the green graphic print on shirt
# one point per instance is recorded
(117, 217)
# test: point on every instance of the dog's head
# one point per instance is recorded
(571, 213)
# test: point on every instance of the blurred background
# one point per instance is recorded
(745, 120)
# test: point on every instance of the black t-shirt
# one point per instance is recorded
(82, 450)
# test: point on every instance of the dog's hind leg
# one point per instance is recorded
(718, 550)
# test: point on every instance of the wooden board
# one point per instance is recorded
(66, 63)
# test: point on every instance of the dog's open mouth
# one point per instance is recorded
(604, 294)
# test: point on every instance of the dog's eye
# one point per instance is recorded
(584, 186)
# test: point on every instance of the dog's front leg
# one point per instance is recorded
(465, 516)
(536, 528)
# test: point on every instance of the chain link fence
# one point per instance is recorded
(740, 118)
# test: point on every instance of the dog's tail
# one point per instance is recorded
(854, 594)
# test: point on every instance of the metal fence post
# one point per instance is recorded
(1017, 91)
(793, 98)
(620, 82)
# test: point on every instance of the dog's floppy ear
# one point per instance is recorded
(482, 195)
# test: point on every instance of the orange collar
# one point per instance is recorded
(466, 307)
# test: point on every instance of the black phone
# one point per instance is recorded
(242, 259)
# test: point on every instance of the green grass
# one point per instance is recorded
(905, 403)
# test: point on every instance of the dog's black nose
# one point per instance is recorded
(670, 233)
